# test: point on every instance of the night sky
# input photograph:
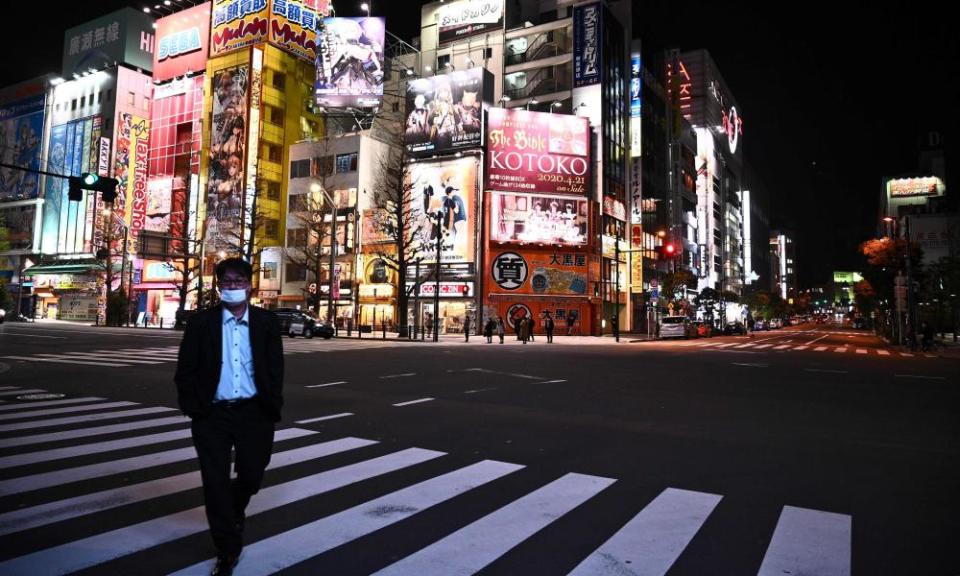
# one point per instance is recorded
(832, 101)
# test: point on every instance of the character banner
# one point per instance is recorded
(21, 126)
(449, 189)
(547, 272)
(444, 112)
(225, 182)
(537, 152)
(350, 63)
(535, 219)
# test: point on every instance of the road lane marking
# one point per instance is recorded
(87, 418)
(748, 345)
(322, 418)
(841, 349)
(45, 403)
(478, 390)
(762, 346)
(800, 347)
(485, 371)
(67, 410)
(420, 401)
(749, 364)
(825, 371)
(5, 333)
(861, 350)
(90, 356)
(473, 547)
(652, 540)
(92, 448)
(551, 382)
(404, 375)
(19, 392)
(815, 340)
(907, 354)
(325, 385)
(95, 431)
(60, 361)
(820, 349)
(919, 377)
(809, 542)
(883, 352)
(781, 347)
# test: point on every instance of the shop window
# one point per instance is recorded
(322, 166)
(346, 163)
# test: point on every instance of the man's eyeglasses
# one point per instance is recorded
(235, 282)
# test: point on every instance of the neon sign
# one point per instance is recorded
(732, 127)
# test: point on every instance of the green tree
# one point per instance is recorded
(676, 283)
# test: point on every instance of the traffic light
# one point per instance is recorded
(89, 181)
(666, 251)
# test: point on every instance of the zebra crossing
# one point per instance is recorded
(126, 357)
(796, 347)
(52, 481)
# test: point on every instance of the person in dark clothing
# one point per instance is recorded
(488, 329)
(229, 380)
(926, 332)
(500, 328)
(466, 327)
(548, 327)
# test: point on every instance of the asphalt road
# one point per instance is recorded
(806, 450)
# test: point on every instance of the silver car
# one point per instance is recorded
(673, 327)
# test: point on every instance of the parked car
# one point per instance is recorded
(775, 323)
(761, 325)
(673, 327)
(734, 328)
(295, 323)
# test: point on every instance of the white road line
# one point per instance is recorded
(101, 469)
(421, 400)
(288, 548)
(652, 540)
(817, 339)
(44, 514)
(809, 542)
(87, 418)
(781, 347)
(917, 376)
(883, 352)
(19, 392)
(749, 365)
(551, 382)
(325, 385)
(825, 371)
(762, 346)
(821, 349)
(95, 431)
(861, 350)
(485, 371)
(86, 552)
(62, 361)
(478, 390)
(405, 375)
(45, 403)
(473, 547)
(907, 354)
(8, 387)
(841, 349)
(54, 411)
(5, 333)
(798, 348)
(92, 448)
(322, 418)
(94, 357)
(929, 356)
(748, 345)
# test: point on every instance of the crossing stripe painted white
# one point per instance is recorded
(420, 401)
(325, 385)
(63, 361)
(94, 357)
(473, 547)
(809, 542)
(651, 541)
(45, 514)
(820, 349)
(747, 345)
(798, 348)
(19, 392)
(761, 346)
(67, 410)
(322, 418)
(68, 475)
(781, 347)
(86, 418)
(907, 354)
(841, 349)
(883, 352)
(861, 350)
(293, 546)
(86, 552)
(46, 403)
(8, 387)
(92, 448)
(95, 431)
(721, 345)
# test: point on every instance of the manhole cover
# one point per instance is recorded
(45, 396)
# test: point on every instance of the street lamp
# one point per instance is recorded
(531, 102)
(556, 104)
(503, 100)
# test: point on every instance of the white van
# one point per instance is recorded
(673, 327)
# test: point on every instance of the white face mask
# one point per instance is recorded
(233, 296)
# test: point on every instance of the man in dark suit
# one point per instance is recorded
(229, 382)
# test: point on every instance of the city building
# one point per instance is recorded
(783, 272)
(841, 292)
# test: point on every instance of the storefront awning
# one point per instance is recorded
(69, 267)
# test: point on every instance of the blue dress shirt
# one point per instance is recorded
(236, 365)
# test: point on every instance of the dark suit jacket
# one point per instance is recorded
(200, 358)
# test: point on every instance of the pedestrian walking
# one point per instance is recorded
(531, 325)
(524, 329)
(466, 327)
(500, 328)
(229, 381)
(570, 321)
(488, 329)
(517, 324)
(548, 326)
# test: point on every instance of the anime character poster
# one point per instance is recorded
(443, 203)
(350, 64)
(444, 113)
(225, 176)
(21, 129)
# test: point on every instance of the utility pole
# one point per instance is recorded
(436, 290)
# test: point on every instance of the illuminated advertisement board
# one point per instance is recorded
(465, 18)
(182, 41)
(444, 112)
(130, 169)
(350, 63)
(554, 272)
(450, 188)
(21, 129)
(536, 219)
(238, 23)
(376, 222)
(587, 47)
(907, 187)
(537, 152)
(636, 106)
(159, 196)
(19, 221)
(293, 27)
(126, 35)
(225, 181)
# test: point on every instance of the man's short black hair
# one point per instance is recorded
(237, 265)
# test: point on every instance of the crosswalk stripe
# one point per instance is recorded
(762, 346)
(748, 345)
(841, 349)
(86, 418)
(8, 387)
(883, 352)
(861, 350)
(86, 552)
(469, 549)
(19, 392)
(95, 431)
(809, 542)
(45, 514)
(69, 475)
(907, 354)
(781, 347)
(322, 418)
(798, 348)
(62, 361)
(156, 356)
(821, 349)
(45, 403)
(92, 448)
(652, 540)
(293, 546)
(54, 411)
(87, 356)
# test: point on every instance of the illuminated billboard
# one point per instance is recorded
(21, 129)
(449, 188)
(182, 41)
(350, 63)
(907, 187)
(236, 24)
(293, 27)
(444, 112)
(587, 45)
(539, 271)
(538, 219)
(465, 18)
(225, 181)
(537, 152)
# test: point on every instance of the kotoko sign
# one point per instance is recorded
(537, 152)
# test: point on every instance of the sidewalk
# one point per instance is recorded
(508, 339)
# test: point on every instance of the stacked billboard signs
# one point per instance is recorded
(350, 63)
(21, 127)
(293, 26)
(529, 218)
(225, 182)
(444, 112)
(466, 18)
(182, 41)
(236, 24)
(450, 188)
(537, 152)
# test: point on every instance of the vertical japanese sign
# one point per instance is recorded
(256, 77)
(130, 168)
(587, 48)
(636, 105)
